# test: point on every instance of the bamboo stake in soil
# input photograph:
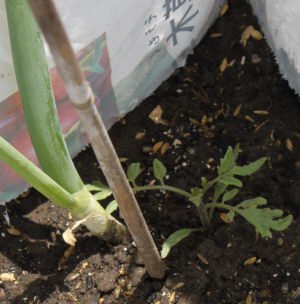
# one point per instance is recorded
(83, 100)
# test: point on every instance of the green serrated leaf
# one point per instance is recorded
(229, 195)
(111, 207)
(159, 170)
(252, 203)
(236, 152)
(249, 169)
(97, 186)
(133, 171)
(102, 195)
(196, 199)
(203, 182)
(231, 215)
(230, 180)
(264, 219)
(219, 190)
(226, 162)
(174, 239)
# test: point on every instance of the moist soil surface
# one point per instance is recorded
(204, 111)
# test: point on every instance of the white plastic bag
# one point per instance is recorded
(126, 49)
(280, 21)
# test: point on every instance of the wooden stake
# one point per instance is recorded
(83, 100)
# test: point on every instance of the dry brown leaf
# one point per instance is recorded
(156, 114)
(140, 135)
(297, 164)
(225, 218)
(194, 122)
(257, 35)
(123, 159)
(172, 297)
(69, 238)
(250, 261)
(249, 299)
(261, 112)
(164, 148)
(202, 258)
(204, 120)
(261, 125)
(272, 137)
(289, 145)
(178, 285)
(231, 63)
(246, 35)
(69, 251)
(84, 266)
(249, 118)
(223, 65)
(216, 35)
(117, 291)
(14, 231)
(72, 277)
(237, 110)
(122, 271)
(224, 9)
(157, 146)
(9, 277)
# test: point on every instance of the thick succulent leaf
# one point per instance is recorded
(229, 195)
(252, 203)
(102, 195)
(265, 220)
(249, 169)
(230, 180)
(226, 162)
(174, 239)
(111, 207)
(159, 170)
(133, 171)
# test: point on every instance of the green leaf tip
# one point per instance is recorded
(229, 195)
(230, 180)
(249, 169)
(265, 220)
(226, 162)
(159, 170)
(133, 171)
(111, 207)
(174, 239)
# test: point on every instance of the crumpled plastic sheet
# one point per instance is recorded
(126, 49)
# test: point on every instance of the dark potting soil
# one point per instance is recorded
(204, 112)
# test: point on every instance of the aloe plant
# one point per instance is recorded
(59, 180)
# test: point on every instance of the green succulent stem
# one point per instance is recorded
(35, 176)
(35, 89)
(58, 180)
